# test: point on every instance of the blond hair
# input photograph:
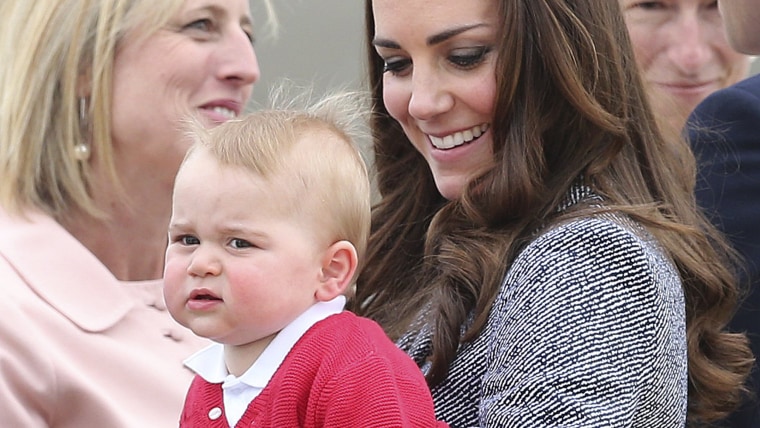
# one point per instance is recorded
(309, 154)
(53, 52)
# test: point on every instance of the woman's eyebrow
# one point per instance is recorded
(432, 40)
(447, 34)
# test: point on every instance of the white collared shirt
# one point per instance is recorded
(209, 364)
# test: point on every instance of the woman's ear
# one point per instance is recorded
(338, 267)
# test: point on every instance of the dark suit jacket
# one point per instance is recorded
(724, 131)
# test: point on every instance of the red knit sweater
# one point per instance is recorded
(344, 372)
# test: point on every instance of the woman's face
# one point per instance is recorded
(439, 81)
(682, 51)
(201, 62)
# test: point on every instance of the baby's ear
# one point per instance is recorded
(338, 267)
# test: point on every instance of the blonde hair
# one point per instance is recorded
(309, 154)
(53, 51)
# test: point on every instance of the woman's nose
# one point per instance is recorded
(429, 95)
(237, 60)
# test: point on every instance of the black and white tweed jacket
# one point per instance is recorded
(588, 330)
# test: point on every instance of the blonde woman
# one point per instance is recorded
(92, 95)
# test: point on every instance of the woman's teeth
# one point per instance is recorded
(458, 138)
(229, 114)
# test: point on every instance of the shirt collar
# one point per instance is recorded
(62, 271)
(209, 363)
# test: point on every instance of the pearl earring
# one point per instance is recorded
(82, 149)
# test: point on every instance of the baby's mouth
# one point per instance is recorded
(203, 295)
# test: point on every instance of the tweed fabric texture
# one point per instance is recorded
(588, 329)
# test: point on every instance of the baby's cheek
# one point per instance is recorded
(172, 287)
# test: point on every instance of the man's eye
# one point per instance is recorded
(650, 5)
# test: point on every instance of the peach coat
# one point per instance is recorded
(78, 348)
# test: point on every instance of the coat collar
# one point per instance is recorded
(578, 192)
(58, 268)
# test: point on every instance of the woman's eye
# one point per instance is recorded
(396, 66)
(204, 24)
(251, 37)
(469, 58)
(240, 243)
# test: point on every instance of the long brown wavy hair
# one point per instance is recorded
(570, 104)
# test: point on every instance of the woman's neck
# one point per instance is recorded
(130, 240)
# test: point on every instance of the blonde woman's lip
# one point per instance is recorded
(222, 110)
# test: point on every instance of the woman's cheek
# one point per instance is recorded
(395, 99)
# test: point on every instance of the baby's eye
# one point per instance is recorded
(188, 240)
(240, 243)
(469, 58)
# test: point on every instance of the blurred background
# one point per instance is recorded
(319, 43)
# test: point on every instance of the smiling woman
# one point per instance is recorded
(681, 48)
(552, 270)
(93, 96)
(426, 76)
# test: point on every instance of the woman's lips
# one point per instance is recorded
(221, 110)
(458, 138)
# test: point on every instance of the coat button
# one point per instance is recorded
(214, 413)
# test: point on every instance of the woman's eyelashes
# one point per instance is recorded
(201, 27)
(470, 57)
(396, 66)
(205, 28)
(464, 59)
(204, 24)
